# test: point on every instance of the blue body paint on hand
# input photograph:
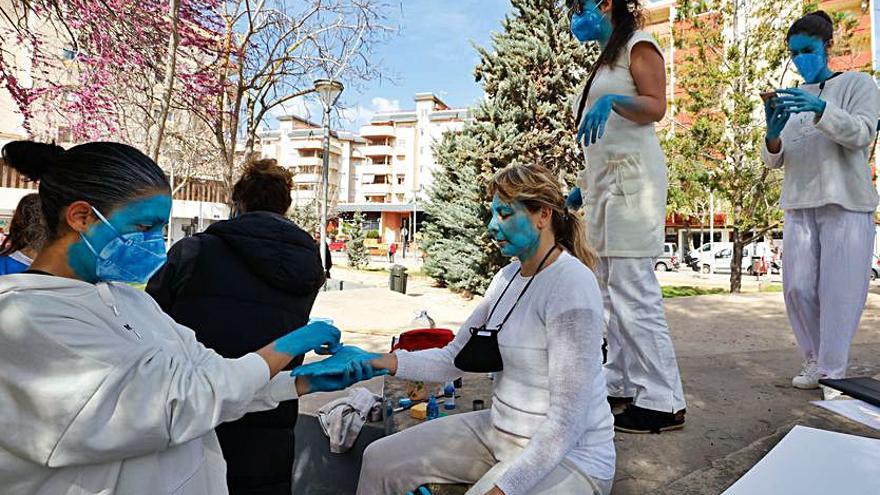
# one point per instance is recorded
(312, 337)
(348, 366)
(777, 118)
(513, 230)
(591, 24)
(128, 242)
(592, 127)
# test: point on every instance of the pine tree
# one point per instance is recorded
(306, 216)
(530, 77)
(358, 256)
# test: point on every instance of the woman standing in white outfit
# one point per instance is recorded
(623, 190)
(821, 134)
(550, 429)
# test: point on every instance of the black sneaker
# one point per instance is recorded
(615, 402)
(637, 419)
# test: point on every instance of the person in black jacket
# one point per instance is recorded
(241, 284)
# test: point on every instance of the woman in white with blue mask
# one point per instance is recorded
(821, 135)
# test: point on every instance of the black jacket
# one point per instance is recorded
(240, 285)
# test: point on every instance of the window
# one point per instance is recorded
(64, 135)
(401, 142)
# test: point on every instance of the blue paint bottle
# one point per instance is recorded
(449, 396)
(433, 409)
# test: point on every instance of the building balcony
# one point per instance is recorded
(314, 161)
(307, 178)
(315, 144)
(375, 189)
(377, 150)
(374, 169)
(372, 131)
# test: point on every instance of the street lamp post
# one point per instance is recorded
(329, 92)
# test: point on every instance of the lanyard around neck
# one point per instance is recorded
(522, 293)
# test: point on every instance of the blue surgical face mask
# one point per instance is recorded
(591, 24)
(811, 66)
(133, 257)
(808, 55)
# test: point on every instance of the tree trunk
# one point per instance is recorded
(170, 74)
(736, 262)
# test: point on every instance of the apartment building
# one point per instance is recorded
(298, 144)
(399, 166)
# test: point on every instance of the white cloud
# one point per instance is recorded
(382, 105)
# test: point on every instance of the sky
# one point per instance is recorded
(431, 51)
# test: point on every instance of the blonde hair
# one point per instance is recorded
(536, 187)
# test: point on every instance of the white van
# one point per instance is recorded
(719, 260)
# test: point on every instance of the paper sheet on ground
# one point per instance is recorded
(815, 462)
(856, 410)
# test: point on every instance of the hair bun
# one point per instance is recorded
(31, 158)
(823, 15)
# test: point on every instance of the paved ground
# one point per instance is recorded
(736, 354)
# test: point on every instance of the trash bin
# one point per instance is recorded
(398, 278)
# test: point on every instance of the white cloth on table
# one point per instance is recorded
(343, 418)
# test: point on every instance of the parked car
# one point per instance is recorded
(875, 267)
(667, 261)
(693, 258)
(719, 261)
(337, 246)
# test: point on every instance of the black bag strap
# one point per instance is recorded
(522, 292)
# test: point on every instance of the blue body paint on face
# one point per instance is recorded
(808, 55)
(513, 230)
(591, 24)
(148, 215)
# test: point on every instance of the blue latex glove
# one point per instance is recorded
(354, 372)
(796, 100)
(574, 201)
(421, 491)
(777, 118)
(312, 337)
(592, 127)
(338, 363)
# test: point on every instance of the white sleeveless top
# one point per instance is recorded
(624, 182)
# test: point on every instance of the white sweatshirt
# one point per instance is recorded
(552, 390)
(826, 159)
(101, 392)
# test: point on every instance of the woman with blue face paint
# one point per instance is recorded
(101, 391)
(623, 191)
(821, 134)
(539, 327)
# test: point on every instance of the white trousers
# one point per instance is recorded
(460, 449)
(827, 254)
(641, 359)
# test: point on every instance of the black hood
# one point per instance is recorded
(275, 249)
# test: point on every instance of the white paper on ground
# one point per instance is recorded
(854, 409)
(815, 462)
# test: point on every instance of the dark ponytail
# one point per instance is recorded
(817, 25)
(105, 175)
(628, 18)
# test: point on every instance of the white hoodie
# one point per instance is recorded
(101, 392)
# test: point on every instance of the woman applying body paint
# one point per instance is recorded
(101, 391)
(821, 134)
(550, 429)
(623, 190)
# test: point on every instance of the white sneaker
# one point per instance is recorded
(809, 376)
